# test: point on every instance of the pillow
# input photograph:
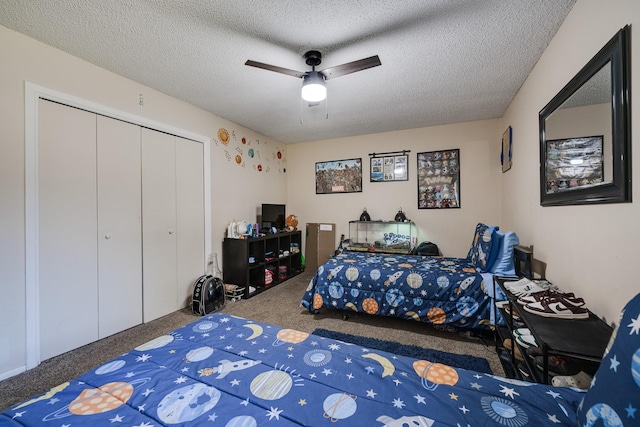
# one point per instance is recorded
(480, 253)
(503, 264)
(614, 395)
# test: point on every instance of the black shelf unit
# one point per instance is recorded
(582, 340)
(244, 261)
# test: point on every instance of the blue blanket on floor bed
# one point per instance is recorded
(228, 371)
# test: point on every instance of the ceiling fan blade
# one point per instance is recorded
(351, 67)
(277, 69)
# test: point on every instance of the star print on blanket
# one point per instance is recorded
(614, 395)
(228, 371)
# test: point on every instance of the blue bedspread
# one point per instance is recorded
(228, 371)
(442, 291)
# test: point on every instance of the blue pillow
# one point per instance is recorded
(504, 265)
(614, 395)
(481, 247)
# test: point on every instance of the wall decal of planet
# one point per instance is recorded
(339, 406)
(187, 403)
(271, 385)
(158, 342)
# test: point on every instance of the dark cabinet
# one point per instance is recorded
(256, 264)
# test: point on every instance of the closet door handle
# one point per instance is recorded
(171, 231)
(107, 236)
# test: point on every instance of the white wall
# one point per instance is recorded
(236, 189)
(451, 229)
(589, 250)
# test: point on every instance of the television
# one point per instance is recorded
(273, 216)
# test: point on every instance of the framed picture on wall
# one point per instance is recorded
(339, 176)
(439, 179)
(505, 155)
(573, 163)
(389, 168)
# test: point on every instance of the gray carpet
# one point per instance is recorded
(279, 305)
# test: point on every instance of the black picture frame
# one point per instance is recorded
(389, 168)
(613, 62)
(339, 176)
(505, 154)
(439, 179)
(573, 163)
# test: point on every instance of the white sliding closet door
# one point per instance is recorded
(67, 215)
(159, 224)
(190, 217)
(119, 226)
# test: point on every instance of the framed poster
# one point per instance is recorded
(573, 163)
(505, 155)
(389, 168)
(439, 179)
(339, 176)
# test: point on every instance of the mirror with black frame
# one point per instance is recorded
(585, 132)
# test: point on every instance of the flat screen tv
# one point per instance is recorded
(273, 216)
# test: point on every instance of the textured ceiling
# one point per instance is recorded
(443, 61)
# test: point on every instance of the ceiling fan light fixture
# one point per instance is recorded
(313, 87)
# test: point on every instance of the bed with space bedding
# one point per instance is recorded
(228, 371)
(450, 293)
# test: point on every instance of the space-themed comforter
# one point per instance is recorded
(447, 292)
(228, 371)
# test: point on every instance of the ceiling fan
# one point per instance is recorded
(313, 82)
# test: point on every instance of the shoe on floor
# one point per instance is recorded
(507, 343)
(534, 352)
(558, 365)
(581, 380)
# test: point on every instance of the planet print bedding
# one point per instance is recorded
(446, 292)
(227, 371)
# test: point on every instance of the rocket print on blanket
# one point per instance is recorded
(226, 367)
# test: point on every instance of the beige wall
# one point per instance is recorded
(451, 229)
(236, 189)
(589, 250)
